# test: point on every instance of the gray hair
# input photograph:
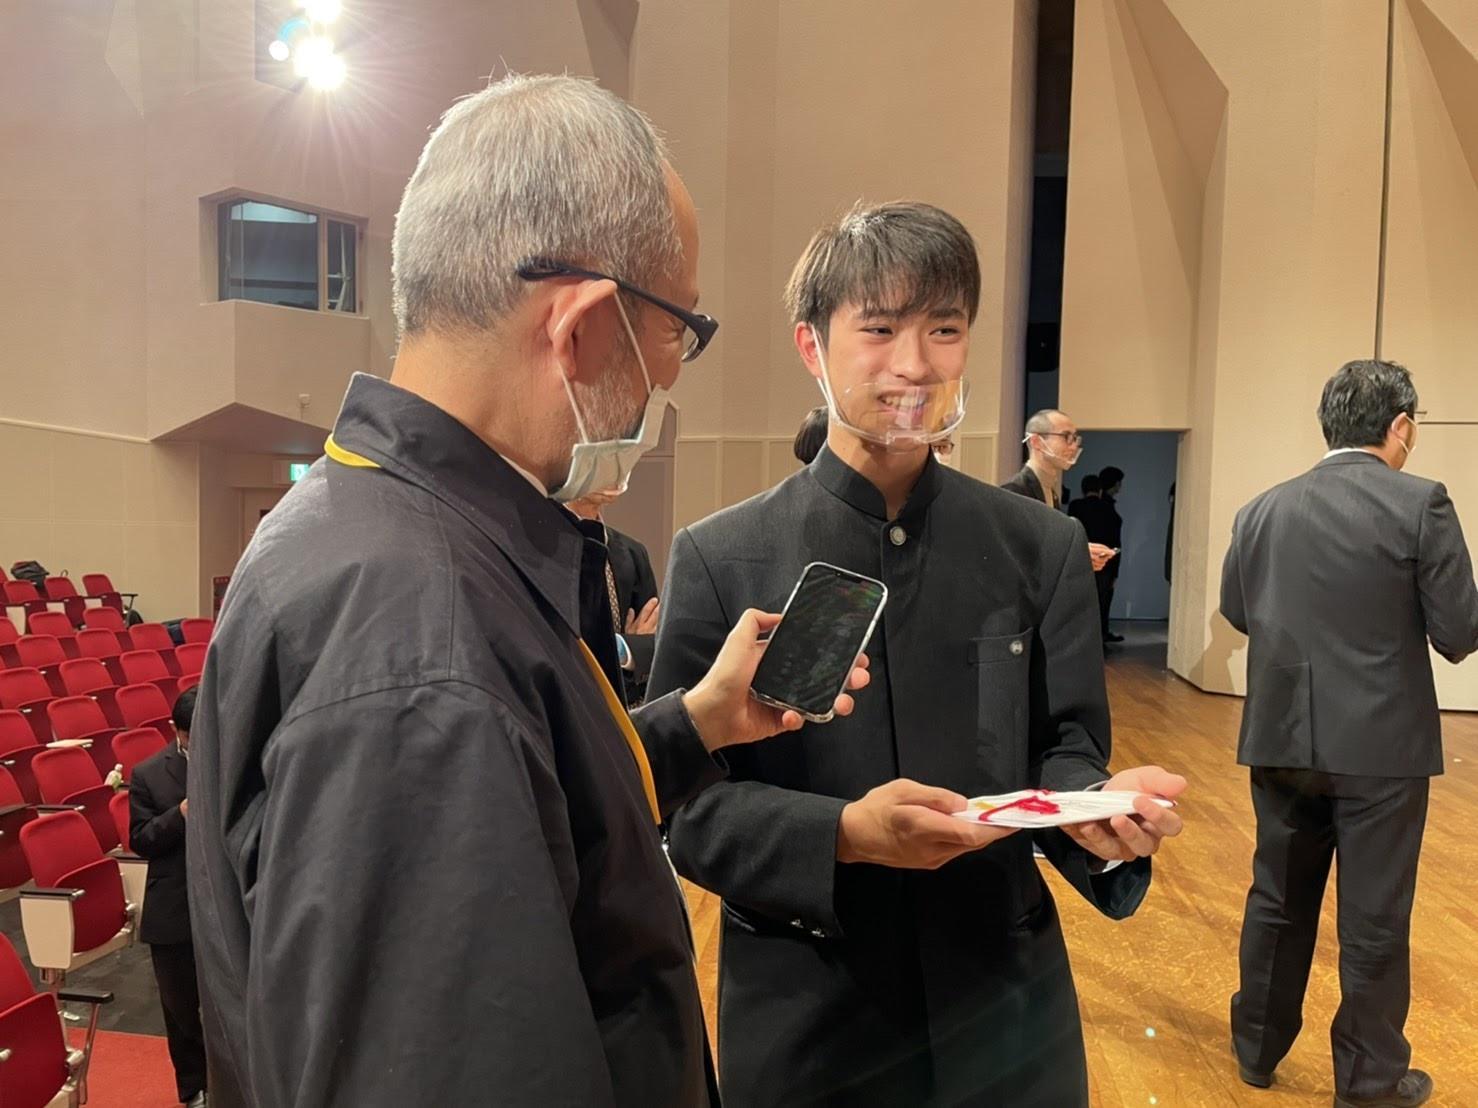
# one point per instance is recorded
(532, 167)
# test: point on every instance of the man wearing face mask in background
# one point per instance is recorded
(874, 951)
(423, 834)
(1053, 447)
(1340, 578)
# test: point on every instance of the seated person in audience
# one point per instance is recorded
(631, 587)
(157, 807)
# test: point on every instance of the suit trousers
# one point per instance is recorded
(179, 996)
(1373, 826)
(1105, 583)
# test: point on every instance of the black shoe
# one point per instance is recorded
(1251, 1076)
(1411, 1090)
(1111, 637)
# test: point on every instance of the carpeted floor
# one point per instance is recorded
(129, 1071)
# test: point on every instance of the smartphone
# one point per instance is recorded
(826, 624)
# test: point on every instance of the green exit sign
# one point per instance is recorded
(296, 471)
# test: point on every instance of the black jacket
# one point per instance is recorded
(864, 985)
(1025, 482)
(635, 585)
(156, 831)
(1101, 521)
(424, 868)
(1339, 578)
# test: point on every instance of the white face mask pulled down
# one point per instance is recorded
(606, 465)
(1065, 463)
(896, 417)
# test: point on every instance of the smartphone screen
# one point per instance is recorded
(812, 649)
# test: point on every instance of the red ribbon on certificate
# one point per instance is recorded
(1037, 803)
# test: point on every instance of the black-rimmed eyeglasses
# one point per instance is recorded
(1072, 438)
(701, 328)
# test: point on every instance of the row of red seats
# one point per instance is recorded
(79, 903)
(62, 590)
(48, 652)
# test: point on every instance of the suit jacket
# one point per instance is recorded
(156, 831)
(1101, 520)
(860, 984)
(1339, 578)
(635, 585)
(1027, 483)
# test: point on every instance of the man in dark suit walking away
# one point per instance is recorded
(1340, 578)
(156, 830)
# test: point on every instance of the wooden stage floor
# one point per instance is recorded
(1154, 989)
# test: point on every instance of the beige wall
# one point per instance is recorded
(1224, 249)
(1430, 318)
(133, 119)
(82, 503)
(778, 122)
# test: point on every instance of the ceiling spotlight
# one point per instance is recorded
(279, 50)
(328, 73)
(310, 54)
(323, 11)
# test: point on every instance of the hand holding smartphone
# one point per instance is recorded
(826, 624)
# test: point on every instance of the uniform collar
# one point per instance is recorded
(418, 442)
(846, 484)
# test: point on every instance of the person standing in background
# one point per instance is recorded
(1340, 578)
(1108, 530)
(811, 436)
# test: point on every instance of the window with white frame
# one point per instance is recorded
(288, 256)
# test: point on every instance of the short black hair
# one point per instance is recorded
(1108, 477)
(1091, 483)
(1362, 399)
(811, 436)
(184, 710)
(901, 258)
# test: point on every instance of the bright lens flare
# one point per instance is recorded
(279, 50)
(322, 11)
(328, 73)
(311, 53)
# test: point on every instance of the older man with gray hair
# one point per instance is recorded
(423, 840)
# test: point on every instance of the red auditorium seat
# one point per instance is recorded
(59, 627)
(145, 706)
(108, 619)
(41, 1069)
(189, 681)
(18, 746)
(15, 812)
(24, 593)
(98, 587)
(61, 588)
(8, 635)
(27, 692)
(122, 816)
(45, 655)
(68, 931)
(96, 642)
(79, 718)
(191, 659)
(89, 677)
(198, 630)
(145, 667)
(67, 777)
(135, 745)
(155, 637)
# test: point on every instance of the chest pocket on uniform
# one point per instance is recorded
(1002, 666)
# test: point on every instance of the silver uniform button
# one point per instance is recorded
(897, 535)
(1016, 647)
